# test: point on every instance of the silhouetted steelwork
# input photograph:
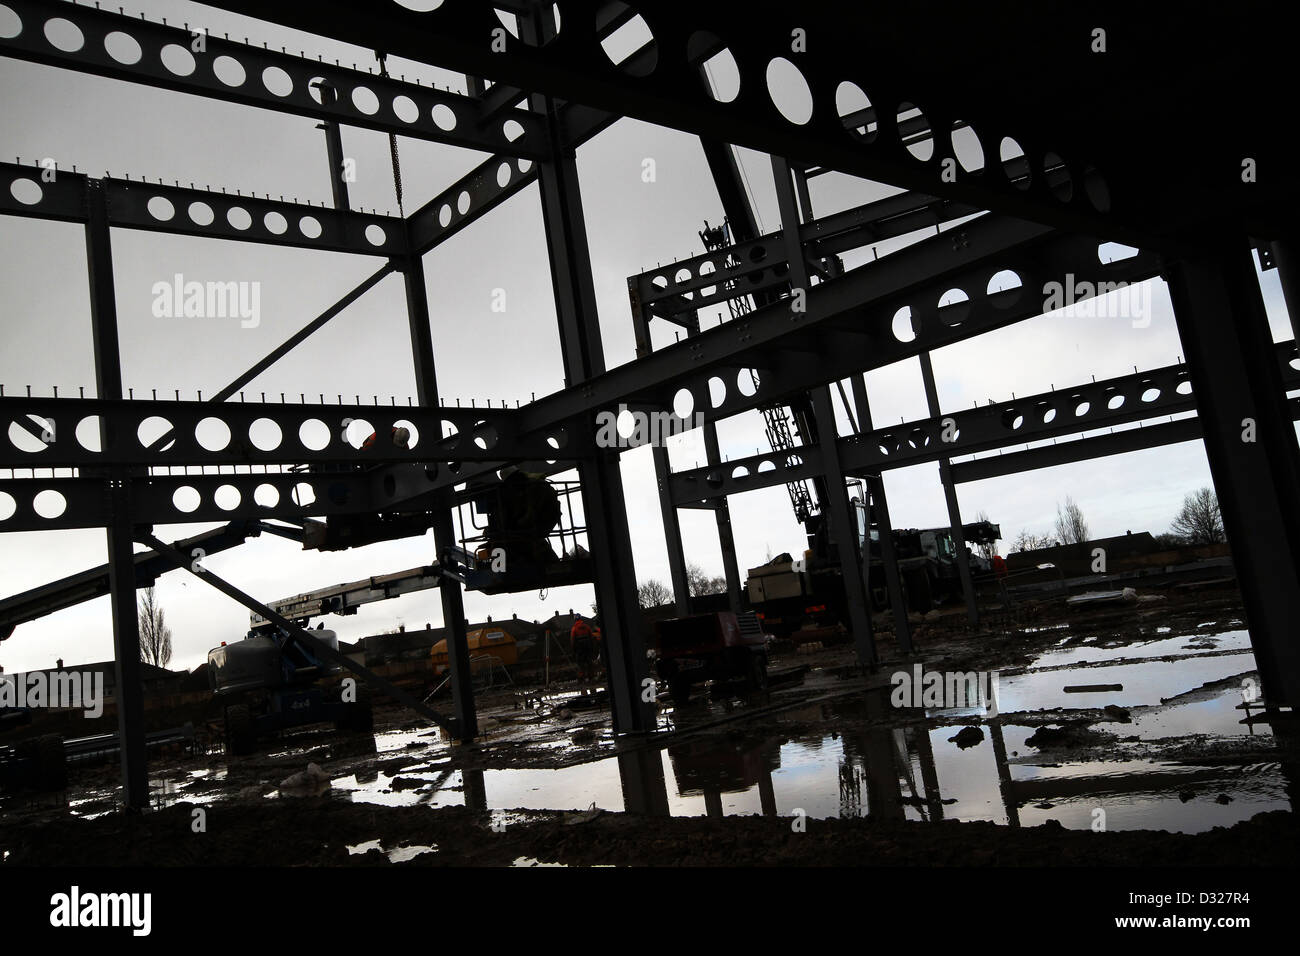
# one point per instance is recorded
(1076, 171)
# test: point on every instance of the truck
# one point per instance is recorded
(796, 593)
(719, 647)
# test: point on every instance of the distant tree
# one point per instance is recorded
(1071, 526)
(653, 593)
(1028, 541)
(155, 635)
(986, 551)
(698, 581)
(1199, 520)
(1169, 540)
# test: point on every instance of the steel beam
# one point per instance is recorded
(498, 178)
(94, 583)
(160, 499)
(1083, 449)
(188, 59)
(1110, 402)
(206, 213)
(849, 321)
(272, 433)
(573, 66)
(1251, 445)
(761, 263)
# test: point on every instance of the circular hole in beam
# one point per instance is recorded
(789, 91)
(123, 48)
(64, 35)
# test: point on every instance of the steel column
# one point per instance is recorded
(464, 718)
(842, 528)
(840, 522)
(950, 498)
(722, 516)
(121, 551)
(663, 477)
(1251, 445)
(878, 505)
(602, 482)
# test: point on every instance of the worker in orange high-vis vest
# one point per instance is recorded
(582, 640)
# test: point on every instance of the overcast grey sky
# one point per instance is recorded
(103, 125)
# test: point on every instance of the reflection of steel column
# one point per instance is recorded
(884, 796)
(713, 804)
(950, 496)
(1004, 774)
(929, 774)
(641, 772)
(475, 789)
(1286, 734)
(766, 793)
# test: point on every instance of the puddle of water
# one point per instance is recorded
(1144, 682)
(911, 771)
(396, 855)
(1088, 653)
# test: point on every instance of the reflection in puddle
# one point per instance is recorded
(893, 764)
(396, 855)
(1169, 766)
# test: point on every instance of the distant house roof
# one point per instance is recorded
(148, 672)
(395, 643)
(512, 626)
(563, 623)
(1140, 543)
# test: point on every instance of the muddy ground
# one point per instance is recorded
(390, 799)
(318, 832)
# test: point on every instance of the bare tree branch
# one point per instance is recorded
(155, 635)
(1071, 527)
(1199, 520)
(653, 593)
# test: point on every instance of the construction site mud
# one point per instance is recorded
(1153, 755)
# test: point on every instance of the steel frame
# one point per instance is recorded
(554, 83)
